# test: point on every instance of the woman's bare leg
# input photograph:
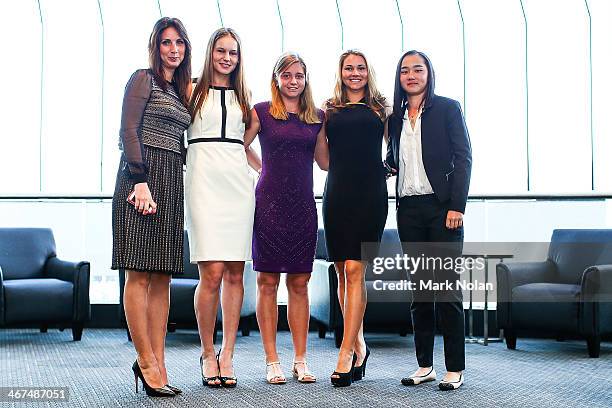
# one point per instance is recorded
(135, 302)
(355, 299)
(206, 301)
(157, 314)
(232, 294)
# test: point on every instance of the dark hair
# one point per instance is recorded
(399, 96)
(182, 75)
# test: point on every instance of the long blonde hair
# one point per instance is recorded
(237, 81)
(307, 109)
(373, 98)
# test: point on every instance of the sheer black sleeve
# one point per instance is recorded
(137, 92)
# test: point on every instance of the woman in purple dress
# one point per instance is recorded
(291, 135)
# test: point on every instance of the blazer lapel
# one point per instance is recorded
(398, 133)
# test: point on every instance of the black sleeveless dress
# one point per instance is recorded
(355, 201)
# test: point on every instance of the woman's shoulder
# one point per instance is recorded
(261, 106)
(140, 83)
(143, 74)
(443, 101)
(320, 114)
(261, 109)
(327, 105)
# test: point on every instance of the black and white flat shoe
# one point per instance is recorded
(451, 385)
(419, 379)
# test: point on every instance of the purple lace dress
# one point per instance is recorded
(285, 229)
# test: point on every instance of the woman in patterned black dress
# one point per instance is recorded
(148, 229)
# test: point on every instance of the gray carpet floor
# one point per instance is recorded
(97, 371)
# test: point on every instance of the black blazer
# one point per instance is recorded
(447, 154)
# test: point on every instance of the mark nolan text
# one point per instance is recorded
(431, 285)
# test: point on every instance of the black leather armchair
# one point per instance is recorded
(387, 310)
(182, 291)
(568, 293)
(37, 288)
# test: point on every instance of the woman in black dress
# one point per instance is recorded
(355, 199)
(148, 198)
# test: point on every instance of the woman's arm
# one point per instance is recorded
(388, 112)
(137, 93)
(462, 157)
(321, 155)
(249, 135)
(184, 141)
(389, 162)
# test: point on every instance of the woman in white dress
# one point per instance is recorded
(219, 192)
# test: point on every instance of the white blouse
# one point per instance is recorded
(412, 177)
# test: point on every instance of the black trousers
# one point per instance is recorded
(421, 221)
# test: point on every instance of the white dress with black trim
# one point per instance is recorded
(219, 188)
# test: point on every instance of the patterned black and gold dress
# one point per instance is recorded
(152, 125)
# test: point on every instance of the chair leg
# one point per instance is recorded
(245, 328)
(338, 335)
(593, 344)
(215, 336)
(510, 339)
(77, 332)
(322, 330)
(129, 336)
(43, 328)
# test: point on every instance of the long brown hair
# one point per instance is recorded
(373, 98)
(307, 109)
(237, 81)
(182, 75)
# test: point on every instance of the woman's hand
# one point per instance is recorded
(143, 201)
(454, 219)
(389, 171)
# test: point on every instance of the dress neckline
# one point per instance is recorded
(362, 101)
(221, 88)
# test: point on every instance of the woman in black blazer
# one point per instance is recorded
(429, 151)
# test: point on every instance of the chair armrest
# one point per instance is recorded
(76, 273)
(595, 301)
(62, 270)
(515, 274)
(596, 284)
(319, 292)
(1, 298)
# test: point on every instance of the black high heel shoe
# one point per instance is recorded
(175, 390)
(224, 380)
(209, 381)
(151, 392)
(360, 371)
(344, 379)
